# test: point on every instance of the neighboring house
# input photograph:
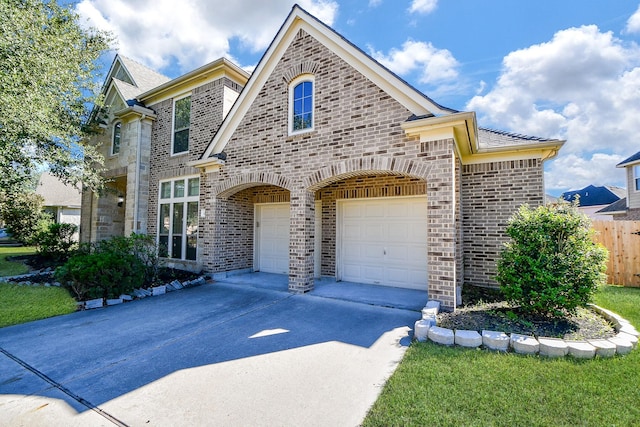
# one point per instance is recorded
(627, 208)
(62, 201)
(327, 164)
(593, 199)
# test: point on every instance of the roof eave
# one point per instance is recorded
(221, 64)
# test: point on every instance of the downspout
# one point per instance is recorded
(136, 193)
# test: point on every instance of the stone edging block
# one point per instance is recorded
(624, 342)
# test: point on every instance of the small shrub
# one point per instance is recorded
(551, 265)
(57, 242)
(111, 267)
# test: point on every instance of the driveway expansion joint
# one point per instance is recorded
(64, 390)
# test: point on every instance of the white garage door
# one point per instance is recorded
(272, 238)
(383, 241)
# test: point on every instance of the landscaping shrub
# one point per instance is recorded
(23, 216)
(551, 265)
(57, 242)
(101, 274)
(109, 268)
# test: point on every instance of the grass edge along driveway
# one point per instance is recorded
(21, 304)
(437, 385)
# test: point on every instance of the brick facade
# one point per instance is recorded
(357, 149)
(491, 193)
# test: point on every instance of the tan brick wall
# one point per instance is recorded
(491, 193)
(357, 132)
(206, 117)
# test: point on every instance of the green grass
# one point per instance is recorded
(20, 304)
(10, 268)
(436, 385)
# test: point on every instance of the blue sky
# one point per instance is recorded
(566, 69)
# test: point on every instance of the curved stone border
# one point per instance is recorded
(625, 340)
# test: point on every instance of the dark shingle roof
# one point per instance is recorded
(591, 196)
(618, 206)
(491, 138)
(634, 158)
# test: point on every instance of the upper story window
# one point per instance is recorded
(115, 141)
(636, 177)
(181, 119)
(301, 103)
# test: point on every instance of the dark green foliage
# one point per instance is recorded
(101, 274)
(112, 267)
(23, 215)
(551, 265)
(48, 86)
(57, 242)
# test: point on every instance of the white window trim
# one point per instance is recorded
(635, 177)
(170, 201)
(300, 79)
(113, 134)
(173, 124)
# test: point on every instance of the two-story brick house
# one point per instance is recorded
(327, 164)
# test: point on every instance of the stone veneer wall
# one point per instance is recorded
(356, 131)
(491, 193)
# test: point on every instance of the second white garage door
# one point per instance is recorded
(383, 241)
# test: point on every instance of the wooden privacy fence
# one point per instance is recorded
(622, 239)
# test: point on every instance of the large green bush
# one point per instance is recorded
(109, 268)
(551, 265)
(57, 242)
(23, 215)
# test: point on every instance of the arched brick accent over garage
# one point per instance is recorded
(238, 183)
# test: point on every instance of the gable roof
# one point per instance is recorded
(630, 160)
(592, 195)
(131, 78)
(56, 193)
(299, 19)
(619, 206)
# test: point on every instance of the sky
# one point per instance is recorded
(565, 69)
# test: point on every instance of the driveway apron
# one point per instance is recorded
(218, 354)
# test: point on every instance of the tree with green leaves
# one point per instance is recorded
(48, 67)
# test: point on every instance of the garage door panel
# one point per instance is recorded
(388, 245)
(273, 238)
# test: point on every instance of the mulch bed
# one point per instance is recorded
(484, 309)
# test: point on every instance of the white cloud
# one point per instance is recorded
(582, 86)
(194, 32)
(374, 3)
(435, 65)
(573, 172)
(423, 6)
(633, 23)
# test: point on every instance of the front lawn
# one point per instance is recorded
(21, 304)
(13, 268)
(436, 385)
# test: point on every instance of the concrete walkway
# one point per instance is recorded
(219, 354)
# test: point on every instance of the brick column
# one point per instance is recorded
(301, 241)
(441, 237)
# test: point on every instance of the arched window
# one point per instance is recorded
(301, 104)
(117, 133)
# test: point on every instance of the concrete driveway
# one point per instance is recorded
(215, 355)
